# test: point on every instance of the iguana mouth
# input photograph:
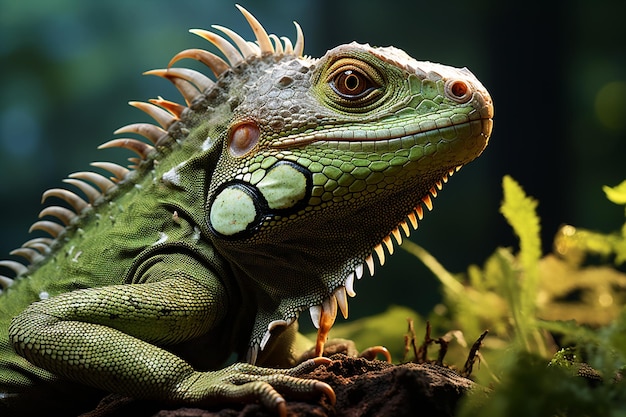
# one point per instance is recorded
(343, 133)
(323, 315)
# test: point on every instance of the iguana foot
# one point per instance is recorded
(242, 382)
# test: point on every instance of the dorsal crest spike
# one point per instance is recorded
(214, 62)
(91, 193)
(241, 43)
(163, 118)
(189, 92)
(64, 214)
(298, 49)
(174, 108)
(199, 80)
(77, 203)
(52, 228)
(230, 52)
(149, 131)
(261, 35)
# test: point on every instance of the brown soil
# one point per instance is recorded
(363, 388)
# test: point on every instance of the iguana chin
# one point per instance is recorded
(265, 195)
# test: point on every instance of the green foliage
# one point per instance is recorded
(557, 342)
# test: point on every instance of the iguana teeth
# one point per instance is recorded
(315, 312)
(342, 301)
(380, 252)
(241, 43)
(61, 213)
(433, 192)
(427, 202)
(261, 35)
(118, 171)
(252, 354)
(216, 64)
(16, 267)
(359, 271)
(54, 229)
(369, 261)
(103, 183)
(231, 53)
(349, 285)
(397, 235)
(174, 108)
(163, 118)
(325, 322)
(90, 192)
(420, 213)
(149, 131)
(77, 203)
(405, 228)
(439, 185)
(412, 219)
(31, 255)
(388, 244)
(140, 148)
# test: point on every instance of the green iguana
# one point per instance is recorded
(265, 195)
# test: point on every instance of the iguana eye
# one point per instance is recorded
(352, 84)
(354, 81)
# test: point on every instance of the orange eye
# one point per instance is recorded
(351, 84)
(242, 138)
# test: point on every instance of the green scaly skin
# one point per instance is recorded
(266, 196)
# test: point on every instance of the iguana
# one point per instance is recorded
(266, 194)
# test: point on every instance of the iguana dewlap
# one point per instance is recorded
(263, 195)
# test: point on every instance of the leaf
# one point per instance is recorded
(616, 194)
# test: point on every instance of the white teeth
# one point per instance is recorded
(380, 252)
(329, 311)
(389, 244)
(397, 235)
(405, 229)
(342, 301)
(433, 192)
(439, 185)
(350, 283)
(412, 219)
(265, 339)
(315, 312)
(251, 355)
(369, 261)
(428, 202)
(359, 271)
(276, 323)
(420, 212)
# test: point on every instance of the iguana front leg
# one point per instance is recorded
(107, 338)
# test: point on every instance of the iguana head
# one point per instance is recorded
(325, 160)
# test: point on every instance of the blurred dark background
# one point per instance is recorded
(556, 71)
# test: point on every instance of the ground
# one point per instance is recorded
(363, 388)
